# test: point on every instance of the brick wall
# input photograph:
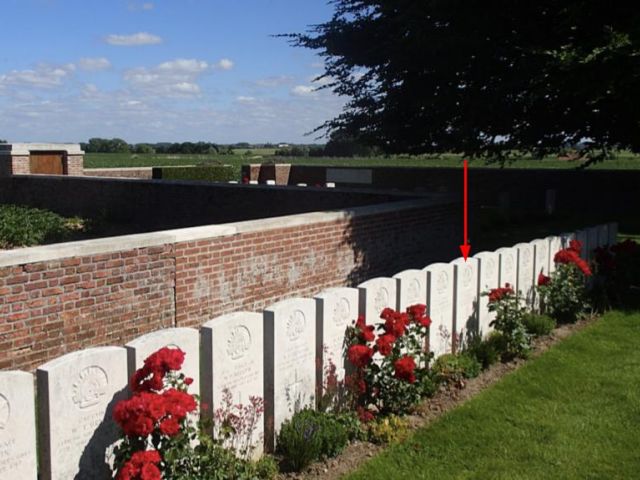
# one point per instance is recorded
(20, 165)
(73, 165)
(48, 308)
(142, 172)
(606, 191)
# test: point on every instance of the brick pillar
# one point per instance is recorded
(74, 165)
(282, 173)
(20, 165)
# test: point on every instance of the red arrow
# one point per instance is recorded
(466, 248)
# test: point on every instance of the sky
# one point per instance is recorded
(160, 70)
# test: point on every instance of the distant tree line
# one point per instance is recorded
(117, 145)
(337, 146)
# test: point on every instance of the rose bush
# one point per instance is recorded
(391, 362)
(563, 294)
(161, 436)
(509, 322)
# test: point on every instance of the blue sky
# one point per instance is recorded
(160, 70)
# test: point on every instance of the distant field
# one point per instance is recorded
(623, 160)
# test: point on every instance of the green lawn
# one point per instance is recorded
(573, 413)
(624, 160)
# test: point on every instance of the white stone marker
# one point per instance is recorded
(566, 239)
(253, 182)
(289, 362)
(525, 271)
(465, 318)
(603, 235)
(555, 245)
(76, 396)
(374, 296)
(540, 257)
(232, 358)
(271, 182)
(336, 309)
(440, 307)
(508, 266)
(613, 233)
(17, 426)
(186, 339)
(331, 185)
(583, 237)
(488, 279)
(411, 288)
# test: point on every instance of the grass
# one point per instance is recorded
(573, 413)
(623, 160)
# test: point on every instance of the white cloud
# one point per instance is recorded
(141, 38)
(274, 81)
(184, 65)
(94, 64)
(42, 76)
(225, 64)
(175, 78)
(304, 91)
(135, 6)
(245, 99)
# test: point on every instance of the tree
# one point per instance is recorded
(483, 78)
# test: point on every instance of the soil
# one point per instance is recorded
(432, 408)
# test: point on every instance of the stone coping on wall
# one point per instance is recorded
(58, 251)
(25, 148)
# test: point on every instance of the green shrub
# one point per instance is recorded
(452, 369)
(23, 226)
(388, 429)
(486, 352)
(209, 173)
(539, 325)
(266, 468)
(308, 436)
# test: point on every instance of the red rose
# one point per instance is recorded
(188, 381)
(497, 294)
(387, 313)
(170, 427)
(416, 312)
(425, 321)
(543, 279)
(396, 323)
(404, 369)
(576, 246)
(385, 344)
(150, 472)
(359, 355)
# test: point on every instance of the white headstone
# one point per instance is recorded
(186, 339)
(376, 295)
(232, 358)
(336, 309)
(583, 237)
(488, 279)
(17, 426)
(613, 233)
(555, 245)
(289, 362)
(411, 288)
(76, 395)
(465, 318)
(508, 266)
(540, 256)
(440, 307)
(525, 271)
(603, 235)
(566, 239)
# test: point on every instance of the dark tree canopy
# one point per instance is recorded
(484, 77)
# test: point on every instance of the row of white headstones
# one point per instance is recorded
(279, 354)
